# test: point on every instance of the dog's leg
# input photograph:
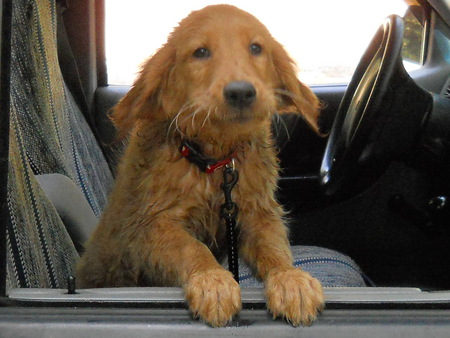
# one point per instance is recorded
(291, 292)
(211, 291)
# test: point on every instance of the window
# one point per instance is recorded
(326, 38)
(413, 39)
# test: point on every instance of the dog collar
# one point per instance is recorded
(191, 151)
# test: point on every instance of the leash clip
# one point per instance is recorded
(231, 164)
(230, 178)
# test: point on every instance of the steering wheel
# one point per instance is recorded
(360, 107)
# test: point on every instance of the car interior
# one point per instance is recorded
(374, 187)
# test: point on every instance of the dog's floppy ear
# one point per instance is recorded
(295, 96)
(143, 99)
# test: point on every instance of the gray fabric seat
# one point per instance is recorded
(332, 268)
(48, 135)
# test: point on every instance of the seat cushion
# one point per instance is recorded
(330, 267)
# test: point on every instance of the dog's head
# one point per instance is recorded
(219, 72)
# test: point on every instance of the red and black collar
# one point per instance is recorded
(192, 152)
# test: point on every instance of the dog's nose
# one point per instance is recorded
(239, 94)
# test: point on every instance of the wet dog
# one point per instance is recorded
(216, 83)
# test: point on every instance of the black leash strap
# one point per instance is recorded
(229, 211)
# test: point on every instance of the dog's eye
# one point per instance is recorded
(255, 49)
(202, 53)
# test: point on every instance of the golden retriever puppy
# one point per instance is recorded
(217, 82)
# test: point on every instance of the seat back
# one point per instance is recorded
(48, 134)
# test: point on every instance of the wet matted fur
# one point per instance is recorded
(217, 82)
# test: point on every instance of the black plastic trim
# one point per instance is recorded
(5, 62)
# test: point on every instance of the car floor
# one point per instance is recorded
(392, 248)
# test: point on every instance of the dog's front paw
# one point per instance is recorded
(294, 295)
(214, 296)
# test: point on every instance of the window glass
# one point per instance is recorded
(326, 38)
(412, 51)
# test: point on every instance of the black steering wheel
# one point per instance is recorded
(359, 109)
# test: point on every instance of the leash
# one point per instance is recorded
(228, 210)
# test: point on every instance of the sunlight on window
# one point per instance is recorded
(326, 38)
